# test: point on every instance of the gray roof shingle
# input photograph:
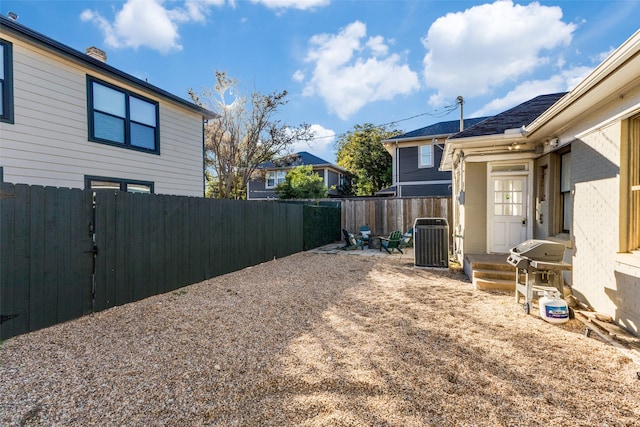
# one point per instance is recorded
(520, 115)
(298, 159)
(442, 128)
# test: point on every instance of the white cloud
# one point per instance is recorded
(603, 55)
(562, 82)
(293, 4)
(348, 74)
(377, 46)
(471, 53)
(148, 23)
(322, 145)
(298, 76)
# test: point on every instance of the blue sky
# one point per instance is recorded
(348, 62)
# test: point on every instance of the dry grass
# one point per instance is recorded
(318, 340)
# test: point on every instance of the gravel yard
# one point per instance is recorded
(318, 340)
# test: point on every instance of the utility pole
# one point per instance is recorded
(461, 102)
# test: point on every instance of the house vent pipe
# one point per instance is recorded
(96, 53)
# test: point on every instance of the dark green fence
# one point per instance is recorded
(65, 253)
(44, 233)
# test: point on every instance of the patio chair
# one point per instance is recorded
(394, 241)
(350, 241)
(407, 239)
(365, 232)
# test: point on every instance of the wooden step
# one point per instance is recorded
(493, 274)
(492, 266)
(495, 284)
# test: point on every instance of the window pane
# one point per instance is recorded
(281, 176)
(143, 136)
(498, 185)
(142, 111)
(271, 178)
(138, 188)
(425, 155)
(108, 100)
(565, 173)
(1, 98)
(1, 62)
(108, 127)
(104, 185)
(517, 197)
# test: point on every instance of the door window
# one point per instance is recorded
(508, 197)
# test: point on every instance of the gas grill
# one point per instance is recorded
(539, 267)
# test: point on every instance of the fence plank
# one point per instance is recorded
(62, 256)
(37, 259)
(7, 282)
(21, 258)
(52, 243)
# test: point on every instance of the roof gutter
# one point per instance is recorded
(78, 57)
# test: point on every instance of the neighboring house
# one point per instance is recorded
(564, 168)
(270, 174)
(415, 158)
(68, 119)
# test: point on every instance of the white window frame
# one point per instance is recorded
(276, 177)
(421, 156)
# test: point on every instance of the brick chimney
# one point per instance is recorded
(96, 53)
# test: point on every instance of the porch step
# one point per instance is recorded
(499, 276)
(488, 273)
(493, 266)
(495, 284)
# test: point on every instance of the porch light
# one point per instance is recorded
(514, 146)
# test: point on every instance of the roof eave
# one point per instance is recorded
(50, 44)
(496, 141)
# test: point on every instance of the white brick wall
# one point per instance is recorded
(595, 175)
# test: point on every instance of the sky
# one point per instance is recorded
(349, 62)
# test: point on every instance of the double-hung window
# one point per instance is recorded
(425, 156)
(566, 201)
(274, 178)
(6, 81)
(119, 117)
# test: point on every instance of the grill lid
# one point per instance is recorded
(539, 250)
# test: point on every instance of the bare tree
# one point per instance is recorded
(245, 135)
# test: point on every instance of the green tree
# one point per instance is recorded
(361, 152)
(244, 135)
(302, 182)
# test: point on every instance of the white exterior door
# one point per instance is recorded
(509, 212)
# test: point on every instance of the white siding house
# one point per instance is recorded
(71, 120)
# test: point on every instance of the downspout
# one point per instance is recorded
(397, 168)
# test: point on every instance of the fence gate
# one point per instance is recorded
(46, 262)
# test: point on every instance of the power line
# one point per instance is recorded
(447, 110)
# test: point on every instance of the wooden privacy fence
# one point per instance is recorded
(67, 252)
(385, 215)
